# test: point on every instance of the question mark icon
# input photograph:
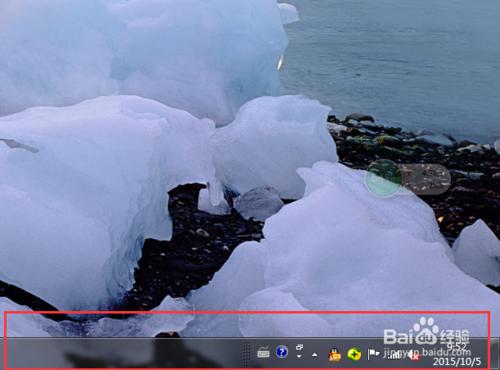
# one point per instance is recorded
(281, 351)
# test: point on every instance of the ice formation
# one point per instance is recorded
(58, 52)
(269, 139)
(138, 326)
(204, 204)
(21, 325)
(341, 248)
(90, 183)
(289, 13)
(259, 203)
(477, 253)
(75, 213)
(143, 326)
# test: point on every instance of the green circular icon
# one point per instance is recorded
(383, 178)
(354, 354)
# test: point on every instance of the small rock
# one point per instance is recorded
(259, 203)
(473, 148)
(333, 119)
(464, 143)
(359, 117)
(353, 131)
(367, 132)
(496, 176)
(392, 130)
(462, 189)
(203, 233)
(373, 128)
(470, 175)
(336, 128)
(389, 140)
(436, 139)
(423, 132)
(361, 140)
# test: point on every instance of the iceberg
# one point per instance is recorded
(259, 203)
(477, 253)
(289, 13)
(83, 186)
(404, 210)
(185, 54)
(75, 213)
(205, 204)
(341, 247)
(56, 352)
(268, 140)
(136, 326)
(22, 325)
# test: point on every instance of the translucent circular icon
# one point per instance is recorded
(384, 178)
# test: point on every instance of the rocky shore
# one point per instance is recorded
(473, 192)
(203, 242)
(200, 245)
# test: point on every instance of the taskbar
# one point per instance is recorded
(294, 353)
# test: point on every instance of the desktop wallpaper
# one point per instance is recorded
(315, 155)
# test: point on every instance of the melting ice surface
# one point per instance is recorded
(76, 212)
(477, 252)
(182, 53)
(91, 194)
(249, 152)
(342, 248)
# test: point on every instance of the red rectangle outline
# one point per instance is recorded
(378, 312)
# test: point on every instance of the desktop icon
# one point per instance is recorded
(281, 351)
(414, 355)
(263, 352)
(354, 354)
(395, 355)
(373, 353)
(334, 355)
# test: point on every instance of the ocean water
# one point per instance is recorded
(418, 64)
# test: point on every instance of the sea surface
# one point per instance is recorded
(419, 64)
